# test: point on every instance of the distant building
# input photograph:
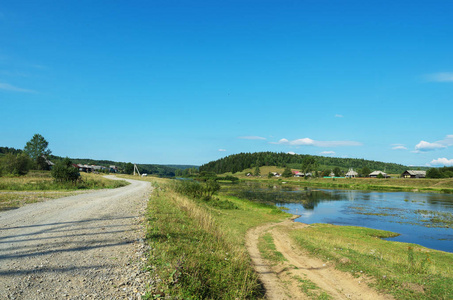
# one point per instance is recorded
(351, 174)
(375, 174)
(414, 174)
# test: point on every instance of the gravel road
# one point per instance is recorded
(88, 246)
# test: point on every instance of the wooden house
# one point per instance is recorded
(375, 174)
(414, 174)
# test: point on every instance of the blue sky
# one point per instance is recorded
(187, 82)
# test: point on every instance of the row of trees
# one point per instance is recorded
(239, 162)
(445, 172)
(19, 162)
(15, 162)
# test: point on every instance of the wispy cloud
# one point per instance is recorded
(222, 150)
(310, 142)
(339, 116)
(14, 73)
(442, 162)
(12, 88)
(251, 138)
(399, 147)
(440, 77)
(424, 146)
(328, 153)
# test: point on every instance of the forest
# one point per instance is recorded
(238, 162)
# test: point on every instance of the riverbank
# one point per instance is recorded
(199, 251)
(388, 184)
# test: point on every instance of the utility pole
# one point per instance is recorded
(136, 169)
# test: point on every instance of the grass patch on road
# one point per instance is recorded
(268, 250)
(407, 271)
(198, 248)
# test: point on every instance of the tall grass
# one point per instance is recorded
(195, 255)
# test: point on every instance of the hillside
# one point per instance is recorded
(238, 162)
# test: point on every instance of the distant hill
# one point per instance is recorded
(238, 162)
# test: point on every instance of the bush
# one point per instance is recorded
(11, 164)
(195, 189)
(64, 171)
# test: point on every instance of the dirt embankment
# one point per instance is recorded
(285, 280)
(88, 246)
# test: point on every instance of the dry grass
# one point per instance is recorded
(38, 186)
(13, 199)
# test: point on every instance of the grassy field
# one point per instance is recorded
(407, 271)
(39, 186)
(444, 185)
(198, 246)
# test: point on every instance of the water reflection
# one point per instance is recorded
(421, 218)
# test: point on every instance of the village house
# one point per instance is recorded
(414, 174)
(375, 174)
(351, 174)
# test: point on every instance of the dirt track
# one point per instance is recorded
(280, 280)
(88, 246)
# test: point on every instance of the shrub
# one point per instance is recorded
(15, 164)
(64, 171)
(195, 189)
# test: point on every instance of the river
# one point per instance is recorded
(420, 218)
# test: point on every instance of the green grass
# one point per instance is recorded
(268, 250)
(407, 271)
(311, 289)
(198, 247)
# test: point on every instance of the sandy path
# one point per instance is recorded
(88, 246)
(280, 280)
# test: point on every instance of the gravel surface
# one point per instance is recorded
(88, 246)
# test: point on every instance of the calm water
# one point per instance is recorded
(421, 218)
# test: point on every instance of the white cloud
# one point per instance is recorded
(12, 88)
(339, 116)
(440, 77)
(310, 142)
(222, 150)
(292, 153)
(442, 162)
(424, 146)
(251, 138)
(427, 146)
(328, 153)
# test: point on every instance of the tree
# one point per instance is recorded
(309, 164)
(287, 172)
(37, 147)
(64, 171)
(366, 171)
(129, 168)
(257, 171)
(15, 164)
(337, 172)
(433, 173)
